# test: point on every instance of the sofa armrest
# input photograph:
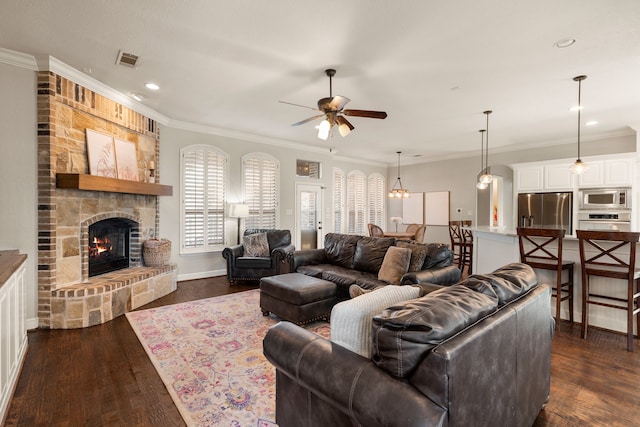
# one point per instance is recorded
(232, 252)
(306, 257)
(439, 276)
(280, 257)
(350, 383)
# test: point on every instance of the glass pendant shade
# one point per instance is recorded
(579, 167)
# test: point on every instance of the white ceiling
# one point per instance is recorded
(433, 66)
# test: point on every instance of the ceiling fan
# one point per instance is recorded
(333, 111)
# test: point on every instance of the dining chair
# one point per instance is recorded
(461, 244)
(419, 236)
(412, 228)
(610, 254)
(541, 248)
(375, 231)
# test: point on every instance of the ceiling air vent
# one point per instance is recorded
(127, 59)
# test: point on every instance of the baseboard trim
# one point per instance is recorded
(201, 275)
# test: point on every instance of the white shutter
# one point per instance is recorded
(260, 186)
(376, 199)
(356, 182)
(203, 198)
(338, 200)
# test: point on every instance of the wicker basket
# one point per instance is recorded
(156, 252)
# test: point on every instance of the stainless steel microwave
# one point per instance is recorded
(605, 198)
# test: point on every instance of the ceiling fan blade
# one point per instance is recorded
(298, 105)
(338, 102)
(307, 120)
(366, 113)
(344, 127)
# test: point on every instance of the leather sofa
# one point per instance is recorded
(477, 353)
(349, 259)
(249, 268)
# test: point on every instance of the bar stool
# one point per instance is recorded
(542, 248)
(616, 261)
(461, 244)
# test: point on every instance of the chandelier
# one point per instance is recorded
(398, 191)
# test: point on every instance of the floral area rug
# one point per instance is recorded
(209, 355)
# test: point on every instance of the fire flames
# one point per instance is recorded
(99, 246)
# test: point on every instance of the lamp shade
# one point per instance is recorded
(238, 210)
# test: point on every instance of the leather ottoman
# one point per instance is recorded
(297, 298)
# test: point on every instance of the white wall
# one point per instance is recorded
(18, 174)
(172, 140)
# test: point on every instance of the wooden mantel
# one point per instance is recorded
(79, 181)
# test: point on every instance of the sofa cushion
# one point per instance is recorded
(404, 334)
(438, 255)
(345, 277)
(395, 264)
(418, 254)
(351, 320)
(256, 245)
(370, 252)
(253, 262)
(340, 248)
(508, 282)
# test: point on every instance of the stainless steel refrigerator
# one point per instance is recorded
(545, 210)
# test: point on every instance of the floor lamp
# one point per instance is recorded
(238, 210)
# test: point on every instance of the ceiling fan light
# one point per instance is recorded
(344, 129)
(323, 129)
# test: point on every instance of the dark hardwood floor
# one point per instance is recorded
(101, 376)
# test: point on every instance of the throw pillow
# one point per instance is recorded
(418, 254)
(395, 265)
(352, 320)
(256, 245)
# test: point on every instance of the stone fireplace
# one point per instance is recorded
(90, 240)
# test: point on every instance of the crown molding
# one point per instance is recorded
(261, 139)
(18, 59)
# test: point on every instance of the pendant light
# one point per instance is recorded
(578, 167)
(398, 191)
(481, 185)
(486, 177)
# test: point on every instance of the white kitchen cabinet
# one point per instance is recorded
(529, 178)
(607, 173)
(618, 173)
(558, 177)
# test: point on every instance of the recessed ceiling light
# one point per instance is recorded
(565, 42)
(152, 86)
(137, 96)
(591, 123)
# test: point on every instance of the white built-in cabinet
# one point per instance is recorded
(13, 339)
(607, 173)
(552, 177)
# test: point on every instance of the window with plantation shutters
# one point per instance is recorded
(356, 201)
(338, 200)
(377, 194)
(260, 179)
(204, 175)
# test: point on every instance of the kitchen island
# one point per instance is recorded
(495, 247)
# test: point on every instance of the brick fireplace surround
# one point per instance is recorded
(67, 297)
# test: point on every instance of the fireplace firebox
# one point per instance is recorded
(109, 245)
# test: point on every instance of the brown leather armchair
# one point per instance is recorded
(250, 268)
